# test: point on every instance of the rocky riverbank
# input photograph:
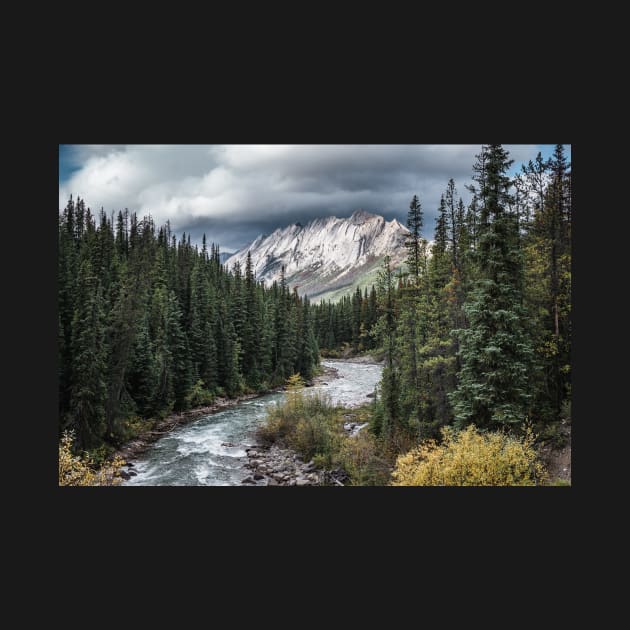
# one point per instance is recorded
(138, 445)
(278, 466)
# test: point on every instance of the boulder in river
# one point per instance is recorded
(248, 480)
(258, 476)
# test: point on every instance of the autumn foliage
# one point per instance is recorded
(471, 458)
(75, 470)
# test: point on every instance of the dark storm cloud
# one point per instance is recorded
(235, 192)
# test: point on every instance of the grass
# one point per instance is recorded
(313, 427)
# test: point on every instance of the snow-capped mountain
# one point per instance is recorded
(328, 256)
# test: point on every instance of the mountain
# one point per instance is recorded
(223, 256)
(327, 257)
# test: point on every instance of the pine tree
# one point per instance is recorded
(440, 259)
(252, 322)
(142, 373)
(548, 286)
(356, 319)
(452, 226)
(201, 328)
(67, 294)
(88, 390)
(472, 220)
(495, 351)
(179, 352)
(413, 242)
(385, 328)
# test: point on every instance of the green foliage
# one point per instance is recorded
(313, 427)
(348, 323)
(479, 332)
(554, 434)
(199, 396)
(363, 460)
(312, 436)
(283, 419)
(413, 243)
(148, 324)
(495, 353)
(86, 405)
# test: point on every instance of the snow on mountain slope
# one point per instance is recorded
(328, 254)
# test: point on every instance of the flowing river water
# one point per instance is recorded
(210, 451)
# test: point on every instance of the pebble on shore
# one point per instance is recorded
(277, 466)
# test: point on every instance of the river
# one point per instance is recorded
(210, 451)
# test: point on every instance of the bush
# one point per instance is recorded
(313, 427)
(359, 457)
(199, 396)
(98, 456)
(75, 470)
(302, 422)
(312, 436)
(471, 458)
(307, 424)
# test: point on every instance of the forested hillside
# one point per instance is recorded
(477, 330)
(148, 325)
(474, 329)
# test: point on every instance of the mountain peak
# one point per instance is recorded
(361, 216)
(328, 255)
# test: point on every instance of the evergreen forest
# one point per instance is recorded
(475, 328)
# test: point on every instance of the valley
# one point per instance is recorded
(431, 349)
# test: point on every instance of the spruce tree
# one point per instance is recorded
(451, 224)
(390, 390)
(251, 325)
(495, 353)
(179, 352)
(142, 373)
(413, 242)
(88, 390)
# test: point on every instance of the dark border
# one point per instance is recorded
(307, 515)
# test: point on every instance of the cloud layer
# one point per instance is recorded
(235, 192)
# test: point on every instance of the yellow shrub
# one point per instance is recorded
(470, 458)
(79, 471)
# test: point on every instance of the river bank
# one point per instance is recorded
(212, 446)
(278, 465)
(141, 443)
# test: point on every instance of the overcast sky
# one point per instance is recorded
(233, 193)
